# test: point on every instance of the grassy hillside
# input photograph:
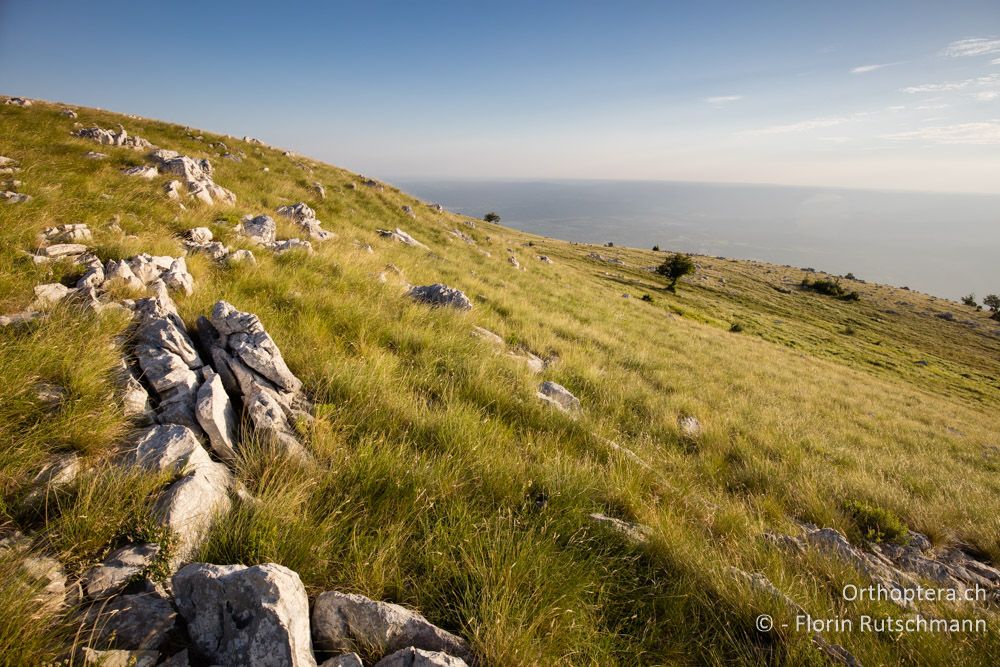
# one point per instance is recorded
(439, 481)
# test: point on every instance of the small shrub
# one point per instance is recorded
(850, 276)
(876, 524)
(992, 301)
(492, 216)
(646, 297)
(736, 327)
(970, 300)
(656, 248)
(829, 288)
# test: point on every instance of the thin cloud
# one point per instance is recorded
(864, 69)
(965, 134)
(801, 126)
(987, 95)
(723, 100)
(995, 61)
(950, 86)
(973, 46)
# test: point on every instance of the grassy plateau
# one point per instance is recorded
(439, 481)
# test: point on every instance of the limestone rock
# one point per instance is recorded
(57, 474)
(415, 657)
(245, 615)
(14, 197)
(440, 295)
(241, 257)
(120, 271)
(173, 190)
(345, 660)
(558, 396)
(400, 236)
(49, 295)
(320, 190)
(94, 155)
(305, 218)
(487, 335)
(191, 504)
(408, 210)
(345, 621)
(75, 233)
(112, 138)
(260, 229)
(142, 621)
(634, 532)
(215, 414)
(60, 250)
(169, 447)
(690, 426)
(118, 569)
(197, 175)
(18, 101)
(200, 235)
(287, 245)
(149, 173)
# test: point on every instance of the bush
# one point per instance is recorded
(850, 276)
(970, 300)
(829, 288)
(646, 297)
(992, 301)
(675, 267)
(876, 524)
(736, 327)
(492, 216)
(656, 248)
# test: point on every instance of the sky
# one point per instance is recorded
(884, 95)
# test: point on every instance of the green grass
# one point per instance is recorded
(431, 452)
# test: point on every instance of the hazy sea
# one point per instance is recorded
(942, 244)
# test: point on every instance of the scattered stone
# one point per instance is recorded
(241, 257)
(240, 615)
(118, 570)
(69, 113)
(20, 318)
(534, 363)
(60, 250)
(372, 183)
(320, 190)
(197, 175)
(94, 155)
(415, 657)
(437, 208)
(287, 245)
(408, 210)
(260, 229)
(462, 236)
(68, 234)
(487, 335)
(346, 622)
(14, 197)
(57, 474)
(545, 259)
(513, 262)
(19, 101)
(141, 621)
(112, 138)
(634, 532)
(400, 236)
(440, 295)
(251, 140)
(608, 260)
(305, 218)
(8, 162)
(558, 396)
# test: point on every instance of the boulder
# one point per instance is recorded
(48, 295)
(112, 138)
(199, 235)
(47, 581)
(216, 416)
(57, 474)
(169, 447)
(400, 236)
(240, 615)
(415, 657)
(60, 250)
(167, 358)
(142, 621)
(177, 277)
(190, 505)
(346, 621)
(120, 271)
(173, 189)
(260, 229)
(440, 295)
(558, 396)
(305, 218)
(118, 570)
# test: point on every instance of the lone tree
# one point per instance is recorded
(675, 267)
(992, 301)
(492, 216)
(969, 300)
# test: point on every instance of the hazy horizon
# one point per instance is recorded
(939, 243)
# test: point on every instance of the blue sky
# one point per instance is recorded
(900, 95)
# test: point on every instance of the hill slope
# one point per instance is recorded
(437, 479)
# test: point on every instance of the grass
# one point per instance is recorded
(440, 482)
